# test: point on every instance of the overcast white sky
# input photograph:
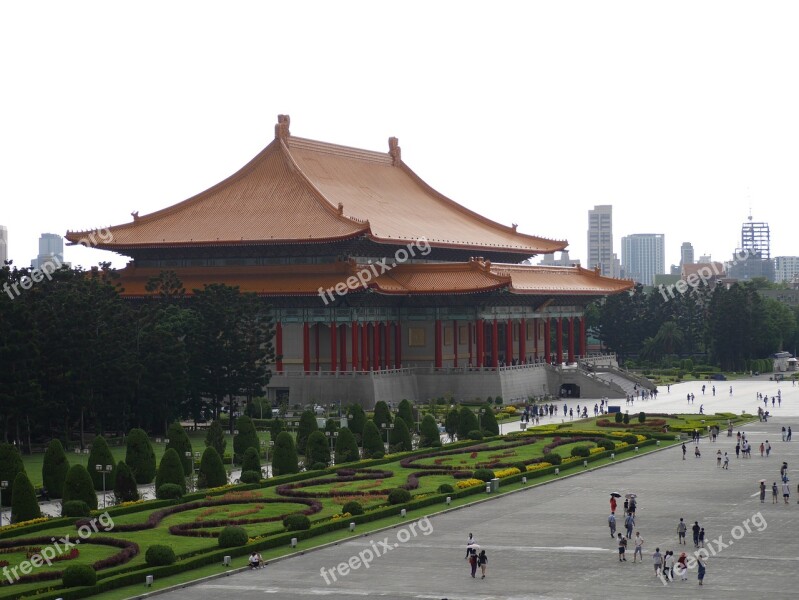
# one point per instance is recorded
(681, 115)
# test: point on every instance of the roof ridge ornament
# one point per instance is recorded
(394, 151)
(282, 128)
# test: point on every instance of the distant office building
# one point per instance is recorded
(3, 245)
(705, 259)
(549, 260)
(686, 254)
(51, 249)
(786, 268)
(756, 238)
(600, 240)
(747, 265)
(643, 255)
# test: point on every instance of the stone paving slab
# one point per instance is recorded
(552, 542)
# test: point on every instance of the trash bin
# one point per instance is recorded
(495, 484)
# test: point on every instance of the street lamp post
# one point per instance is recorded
(191, 469)
(388, 428)
(266, 445)
(332, 435)
(104, 470)
(480, 413)
(3, 486)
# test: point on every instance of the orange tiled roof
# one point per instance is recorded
(572, 281)
(475, 276)
(299, 191)
(709, 270)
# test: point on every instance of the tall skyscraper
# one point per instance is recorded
(686, 254)
(3, 245)
(600, 240)
(51, 249)
(643, 256)
(756, 238)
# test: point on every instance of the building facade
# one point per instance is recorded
(380, 286)
(600, 241)
(786, 268)
(3, 245)
(643, 255)
(686, 253)
(51, 250)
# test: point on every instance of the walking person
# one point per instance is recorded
(702, 537)
(668, 565)
(639, 546)
(762, 492)
(482, 562)
(472, 558)
(695, 530)
(774, 493)
(684, 450)
(629, 524)
(726, 464)
(682, 567)
(657, 562)
(786, 491)
(718, 457)
(681, 529)
(622, 547)
(701, 570)
(612, 525)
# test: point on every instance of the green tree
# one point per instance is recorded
(275, 427)
(400, 438)
(382, 415)
(10, 467)
(170, 470)
(125, 489)
(467, 421)
(346, 446)
(428, 432)
(215, 438)
(179, 441)
(405, 411)
(212, 472)
(356, 418)
(372, 441)
(317, 449)
(79, 486)
(488, 420)
(24, 505)
(140, 456)
(284, 460)
(54, 469)
(247, 437)
(451, 422)
(100, 454)
(307, 426)
(251, 461)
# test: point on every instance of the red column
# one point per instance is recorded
(306, 347)
(364, 346)
(471, 358)
(354, 345)
(316, 328)
(438, 340)
(536, 322)
(583, 346)
(455, 343)
(509, 342)
(342, 335)
(397, 346)
(494, 344)
(375, 346)
(559, 340)
(523, 342)
(333, 347)
(387, 345)
(571, 339)
(279, 346)
(547, 340)
(479, 330)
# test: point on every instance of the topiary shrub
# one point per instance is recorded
(475, 435)
(179, 442)
(445, 488)
(251, 461)
(626, 418)
(382, 414)
(606, 444)
(378, 455)
(247, 437)
(428, 432)
(171, 470)
(467, 422)
(233, 536)
(582, 451)
(78, 486)
(641, 417)
(79, 575)
(75, 509)
(399, 496)
(24, 505)
(125, 489)
(552, 458)
(284, 460)
(498, 400)
(630, 438)
(296, 522)
(100, 454)
(10, 466)
(483, 474)
(304, 429)
(353, 507)
(140, 456)
(54, 469)
(169, 491)
(400, 436)
(250, 477)
(317, 449)
(488, 421)
(215, 438)
(212, 472)
(159, 555)
(317, 466)
(346, 447)
(372, 442)
(436, 444)
(618, 417)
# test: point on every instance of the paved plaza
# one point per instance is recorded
(553, 542)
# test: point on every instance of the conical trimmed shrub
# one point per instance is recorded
(251, 461)
(24, 506)
(170, 470)
(428, 432)
(285, 459)
(54, 469)
(125, 489)
(247, 437)
(306, 427)
(372, 441)
(346, 446)
(317, 450)
(215, 438)
(180, 442)
(10, 466)
(488, 421)
(382, 414)
(140, 457)
(100, 454)
(212, 472)
(400, 437)
(405, 412)
(79, 486)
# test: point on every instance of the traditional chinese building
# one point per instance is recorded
(381, 287)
